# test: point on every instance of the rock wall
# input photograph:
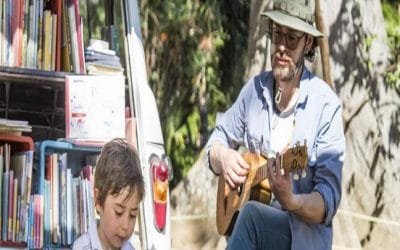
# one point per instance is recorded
(371, 111)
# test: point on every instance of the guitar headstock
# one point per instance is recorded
(295, 160)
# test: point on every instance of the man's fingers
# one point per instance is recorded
(271, 168)
(243, 164)
(239, 171)
(234, 180)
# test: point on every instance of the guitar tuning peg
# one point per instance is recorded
(295, 176)
(303, 174)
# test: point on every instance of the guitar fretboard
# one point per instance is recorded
(261, 174)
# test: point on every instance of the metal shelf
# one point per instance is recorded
(36, 96)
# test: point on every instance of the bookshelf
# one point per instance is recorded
(41, 45)
(62, 181)
(16, 164)
(36, 96)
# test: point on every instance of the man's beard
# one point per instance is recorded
(285, 73)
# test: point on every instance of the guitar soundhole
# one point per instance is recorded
(239, 190)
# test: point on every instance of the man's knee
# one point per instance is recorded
(249, 209)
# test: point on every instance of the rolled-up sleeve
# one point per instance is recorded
(330, 146)
(230, 127)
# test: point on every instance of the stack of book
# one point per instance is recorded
(15, 127)
(101, 60)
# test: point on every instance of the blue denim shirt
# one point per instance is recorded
(318, 120)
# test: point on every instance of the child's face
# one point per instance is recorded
(117, 219)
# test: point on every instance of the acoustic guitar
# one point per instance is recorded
(256, 186)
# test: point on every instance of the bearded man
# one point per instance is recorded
(275, 111)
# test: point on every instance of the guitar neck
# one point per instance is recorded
(293, 159)
(261, 174)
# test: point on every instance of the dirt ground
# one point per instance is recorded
(196, 233)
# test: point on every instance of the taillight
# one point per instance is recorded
(160, 172)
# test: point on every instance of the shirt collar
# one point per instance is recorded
(95, 240)
(265, 82)
(94, 236)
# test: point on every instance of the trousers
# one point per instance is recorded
(260, 226)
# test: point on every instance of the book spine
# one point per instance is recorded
(39, 30)
(14, 211)
(1, 185)
(74, 36)
(1, 42)
(53, 41)
(25, 13)
(15, 41)
(5, 33)
(59, 7)
(66, 40)
(55, 200)
(29, 167)
(10, 205)
(69, 207)
(30, 33)
(5, 206)
(47, 37)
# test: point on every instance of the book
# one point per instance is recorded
(8, 126)
(47, 40)
(1, 184)
(74, 31)
(58, 10)
(14, 211)
(53, 41)
(5, 206)
(66, 61)
(69, 213)
(95, 107)
(10, 204)
(55, 229)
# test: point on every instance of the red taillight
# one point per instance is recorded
(159, 172)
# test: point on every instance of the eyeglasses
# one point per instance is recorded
(291, 40)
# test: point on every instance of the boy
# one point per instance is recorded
(118, 190)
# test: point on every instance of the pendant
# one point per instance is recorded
(278, 96)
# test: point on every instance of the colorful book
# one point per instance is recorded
(53, 41)
(1, 183)
(5, 206)
(69, 213)
(14, 211)
(10, 204)
(58, 10)
(47, 40)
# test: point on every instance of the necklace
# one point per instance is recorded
(278, 96)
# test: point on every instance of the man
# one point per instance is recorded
(274, 111)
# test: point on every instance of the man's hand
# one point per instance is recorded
(229, 163)
(308, 207)
(281, 185)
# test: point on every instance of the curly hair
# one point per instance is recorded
(118, 167)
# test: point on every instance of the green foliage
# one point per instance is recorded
(391, 12)
(393, 77)
(367, 46)
(184, 43)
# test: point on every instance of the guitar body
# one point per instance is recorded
(256, 186)
(229, 201)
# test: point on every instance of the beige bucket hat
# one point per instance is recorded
(296, 14)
